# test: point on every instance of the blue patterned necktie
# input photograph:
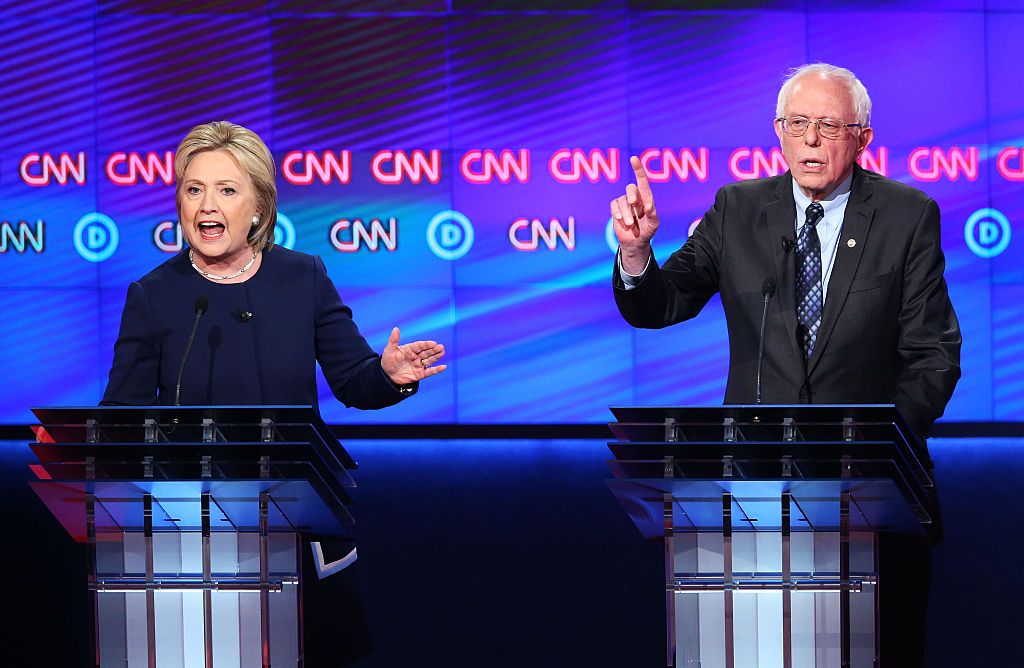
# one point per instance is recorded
(808, 279)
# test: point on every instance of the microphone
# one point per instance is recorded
(202, 304)
(767, 290)
(787, 244)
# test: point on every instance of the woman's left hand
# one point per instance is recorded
(411, 362)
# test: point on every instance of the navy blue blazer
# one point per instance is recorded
(297, 319)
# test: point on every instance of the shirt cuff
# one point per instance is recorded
(629, 281)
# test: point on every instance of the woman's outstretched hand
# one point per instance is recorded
(411, 362)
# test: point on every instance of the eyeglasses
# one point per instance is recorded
(830, 128)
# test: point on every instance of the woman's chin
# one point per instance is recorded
(213, 251)
(205, 253)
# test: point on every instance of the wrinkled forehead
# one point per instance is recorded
(816, 96)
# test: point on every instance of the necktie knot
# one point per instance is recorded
(815, 212)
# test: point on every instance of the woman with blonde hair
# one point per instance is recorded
(268, 316)
(270, 313)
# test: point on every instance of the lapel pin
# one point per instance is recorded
(851, 243)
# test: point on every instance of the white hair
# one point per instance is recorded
(861, 101)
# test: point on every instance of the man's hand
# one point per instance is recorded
(410, 362)
(636, 221)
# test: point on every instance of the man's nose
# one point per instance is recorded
(811, 136)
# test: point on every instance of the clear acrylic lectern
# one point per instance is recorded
(770, 517)
(194, 517)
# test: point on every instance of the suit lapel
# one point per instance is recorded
(856, 223)
(781, 216)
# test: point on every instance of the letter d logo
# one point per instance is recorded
(987, 233)
(95, 237)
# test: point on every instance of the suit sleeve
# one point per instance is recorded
(351, 367)
(929, 338)
(135, 372)
(680, 288)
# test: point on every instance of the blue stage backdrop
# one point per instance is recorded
(452, 163)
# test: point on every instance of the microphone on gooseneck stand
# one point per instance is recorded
(202, 304)
(767, 290)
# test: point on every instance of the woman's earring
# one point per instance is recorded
(256, 220)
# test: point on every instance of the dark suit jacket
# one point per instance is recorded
(888, 332)
(270, 358)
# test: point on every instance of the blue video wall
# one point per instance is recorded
(452, 163)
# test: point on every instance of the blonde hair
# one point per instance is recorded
(252, 155)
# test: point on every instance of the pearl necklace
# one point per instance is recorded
(213, 277)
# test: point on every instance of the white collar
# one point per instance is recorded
(834, 199)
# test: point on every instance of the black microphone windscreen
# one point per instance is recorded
(768, 287)
(202, 303)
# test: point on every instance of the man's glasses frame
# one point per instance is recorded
(830, 128)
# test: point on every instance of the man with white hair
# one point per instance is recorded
(861, 313)
(852, 263)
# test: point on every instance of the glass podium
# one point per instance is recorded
(770, 518)
(194, 519)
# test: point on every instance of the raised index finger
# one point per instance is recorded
(641, 179)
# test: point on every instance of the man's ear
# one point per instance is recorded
(864, 138)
